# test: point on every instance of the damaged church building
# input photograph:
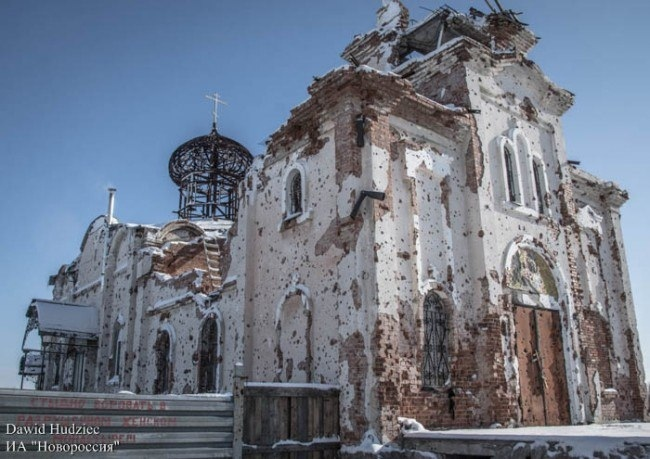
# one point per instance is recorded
(414, 234)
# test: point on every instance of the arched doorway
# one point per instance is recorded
(543, 393)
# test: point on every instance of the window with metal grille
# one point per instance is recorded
(435, 367)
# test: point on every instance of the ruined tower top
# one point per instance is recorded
(392, 42)
(392, 15)
(207, 170)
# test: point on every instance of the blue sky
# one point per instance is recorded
(99, 93)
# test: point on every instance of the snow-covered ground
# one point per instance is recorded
(632, 430)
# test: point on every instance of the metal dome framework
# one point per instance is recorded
(207, 170)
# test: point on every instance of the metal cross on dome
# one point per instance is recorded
(215, 98)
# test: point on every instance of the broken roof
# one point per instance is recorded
(390, 44)
(64, 319)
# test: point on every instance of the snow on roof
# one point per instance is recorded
(142, 225)
(65, 319)
(388, 17)
(214, 225)
(430, 54)
(293, 385)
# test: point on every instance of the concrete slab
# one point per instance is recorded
(629, 440)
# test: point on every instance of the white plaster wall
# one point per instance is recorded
(609, 290)
(116, 302)
(230, 306)
(89, 264)
(186, 329)
(284, 256)
(498, 94)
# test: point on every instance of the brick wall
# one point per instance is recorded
(183, 258)
(477, 393)
(353, 354)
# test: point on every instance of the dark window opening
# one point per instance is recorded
(510, 175)
(208, 358)
(57, 369)
(73, 371)
(435, 368)
(537, 176)
(116, 350)
(163, 365)
(295, 194)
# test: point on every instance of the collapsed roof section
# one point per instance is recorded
(435, 54)
(371, 89)
(391, 43)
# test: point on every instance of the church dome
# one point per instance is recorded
(212, 153)
(207, 170)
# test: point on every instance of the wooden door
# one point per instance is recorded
(544, 397)
(556, 394)
(530, 382)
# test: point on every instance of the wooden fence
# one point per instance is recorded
(293, 421)
(56, 424)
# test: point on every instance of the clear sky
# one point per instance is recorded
(97, 93)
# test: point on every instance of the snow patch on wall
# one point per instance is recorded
(198, 298)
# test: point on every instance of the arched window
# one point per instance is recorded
(294, 187)
(294, 204)
(295, 191)
(163, 363)
(510, 167)
(209, 358)
(540, 185)
(435, 366)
